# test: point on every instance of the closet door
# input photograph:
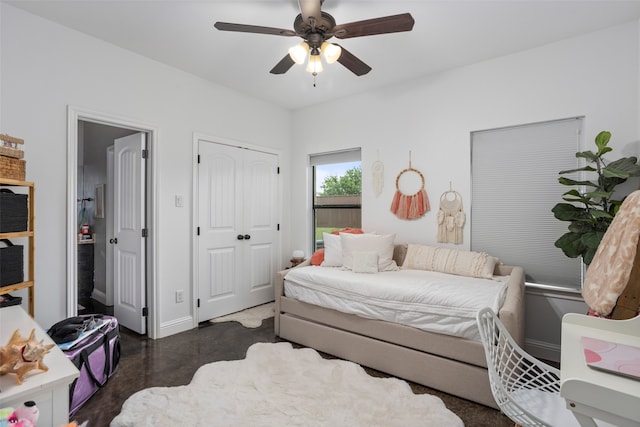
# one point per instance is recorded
(237, 218)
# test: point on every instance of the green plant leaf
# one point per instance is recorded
(568, 181)
(568, 212)
(598, 194)
(602, 139)
(596, 213)
(589, 155)
(581, 227)
(592, 239)
(608, 184)
(571, 244)
(587, 255)
(585, 168)
(622, 168)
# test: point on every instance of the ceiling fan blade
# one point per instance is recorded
(242, 28)
(355, 65)
(310, 8)
(283, 66)
(370, 27)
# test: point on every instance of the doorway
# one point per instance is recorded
(90, 219)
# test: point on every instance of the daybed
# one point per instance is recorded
(452, 364)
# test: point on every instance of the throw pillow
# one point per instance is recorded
(365, 262)
(348, 230)
(332, 250)
(317, 257)
(452, 261)
(332, 256)
(382, 244)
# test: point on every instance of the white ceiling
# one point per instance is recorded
(447, 34)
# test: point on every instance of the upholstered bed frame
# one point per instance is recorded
(450, 364)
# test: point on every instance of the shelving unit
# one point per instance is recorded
(29, 234)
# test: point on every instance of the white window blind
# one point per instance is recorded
(514, 187)
(345, 156)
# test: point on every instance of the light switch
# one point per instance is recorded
(179, 201)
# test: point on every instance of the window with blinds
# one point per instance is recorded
(514, 181)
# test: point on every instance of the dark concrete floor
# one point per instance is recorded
(173, 360)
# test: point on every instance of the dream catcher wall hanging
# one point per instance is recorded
(410, 206)
(377, 172)
(451, 217)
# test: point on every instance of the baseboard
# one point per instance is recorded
(175, 326)
(99, 296)
(542, 350)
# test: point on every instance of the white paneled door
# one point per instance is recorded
(129, 290)
(238, 226)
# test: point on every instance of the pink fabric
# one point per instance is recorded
(610, 269)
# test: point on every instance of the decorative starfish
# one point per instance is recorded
(22, 355)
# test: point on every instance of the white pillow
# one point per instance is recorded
(382, 244)
(332, 250)
(365, 262)
(451, 261)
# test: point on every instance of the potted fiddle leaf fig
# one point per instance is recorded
(596, 206)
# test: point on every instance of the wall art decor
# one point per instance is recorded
(377, 171)
(410, 206)
(451, 217)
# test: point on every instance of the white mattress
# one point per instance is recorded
(428, 300)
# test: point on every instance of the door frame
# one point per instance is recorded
(197, 137)
(74, 116)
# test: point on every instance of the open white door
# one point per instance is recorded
(129, 289)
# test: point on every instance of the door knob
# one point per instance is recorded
(240, 237)
(247, 237)
(113, 241)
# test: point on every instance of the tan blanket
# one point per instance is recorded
(609, 271)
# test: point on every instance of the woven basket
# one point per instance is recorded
(12, 168)
(11, 152)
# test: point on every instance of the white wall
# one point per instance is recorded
(595, 75)
(46, 67)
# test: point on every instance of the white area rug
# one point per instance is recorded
(277, 385)
(249, 318)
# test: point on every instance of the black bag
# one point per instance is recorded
(69, 329)
(96, 355)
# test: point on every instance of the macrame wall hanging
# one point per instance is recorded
(410, 206)
(451, 217)
(377, 171)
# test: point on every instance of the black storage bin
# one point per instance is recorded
(11, 263)
(14, 211)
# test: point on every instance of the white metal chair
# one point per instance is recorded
(526, 389)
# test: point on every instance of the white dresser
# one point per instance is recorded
(49, 390)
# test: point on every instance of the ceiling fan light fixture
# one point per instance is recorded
(298, 53)
(315, 64)
(331, 52)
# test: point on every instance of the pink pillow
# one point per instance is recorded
(317, 257)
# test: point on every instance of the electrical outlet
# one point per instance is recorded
(180, 295)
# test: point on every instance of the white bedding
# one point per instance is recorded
(428, 300)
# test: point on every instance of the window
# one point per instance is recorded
(337, 192)
(514, 187)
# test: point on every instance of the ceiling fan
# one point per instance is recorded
(315, 27)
